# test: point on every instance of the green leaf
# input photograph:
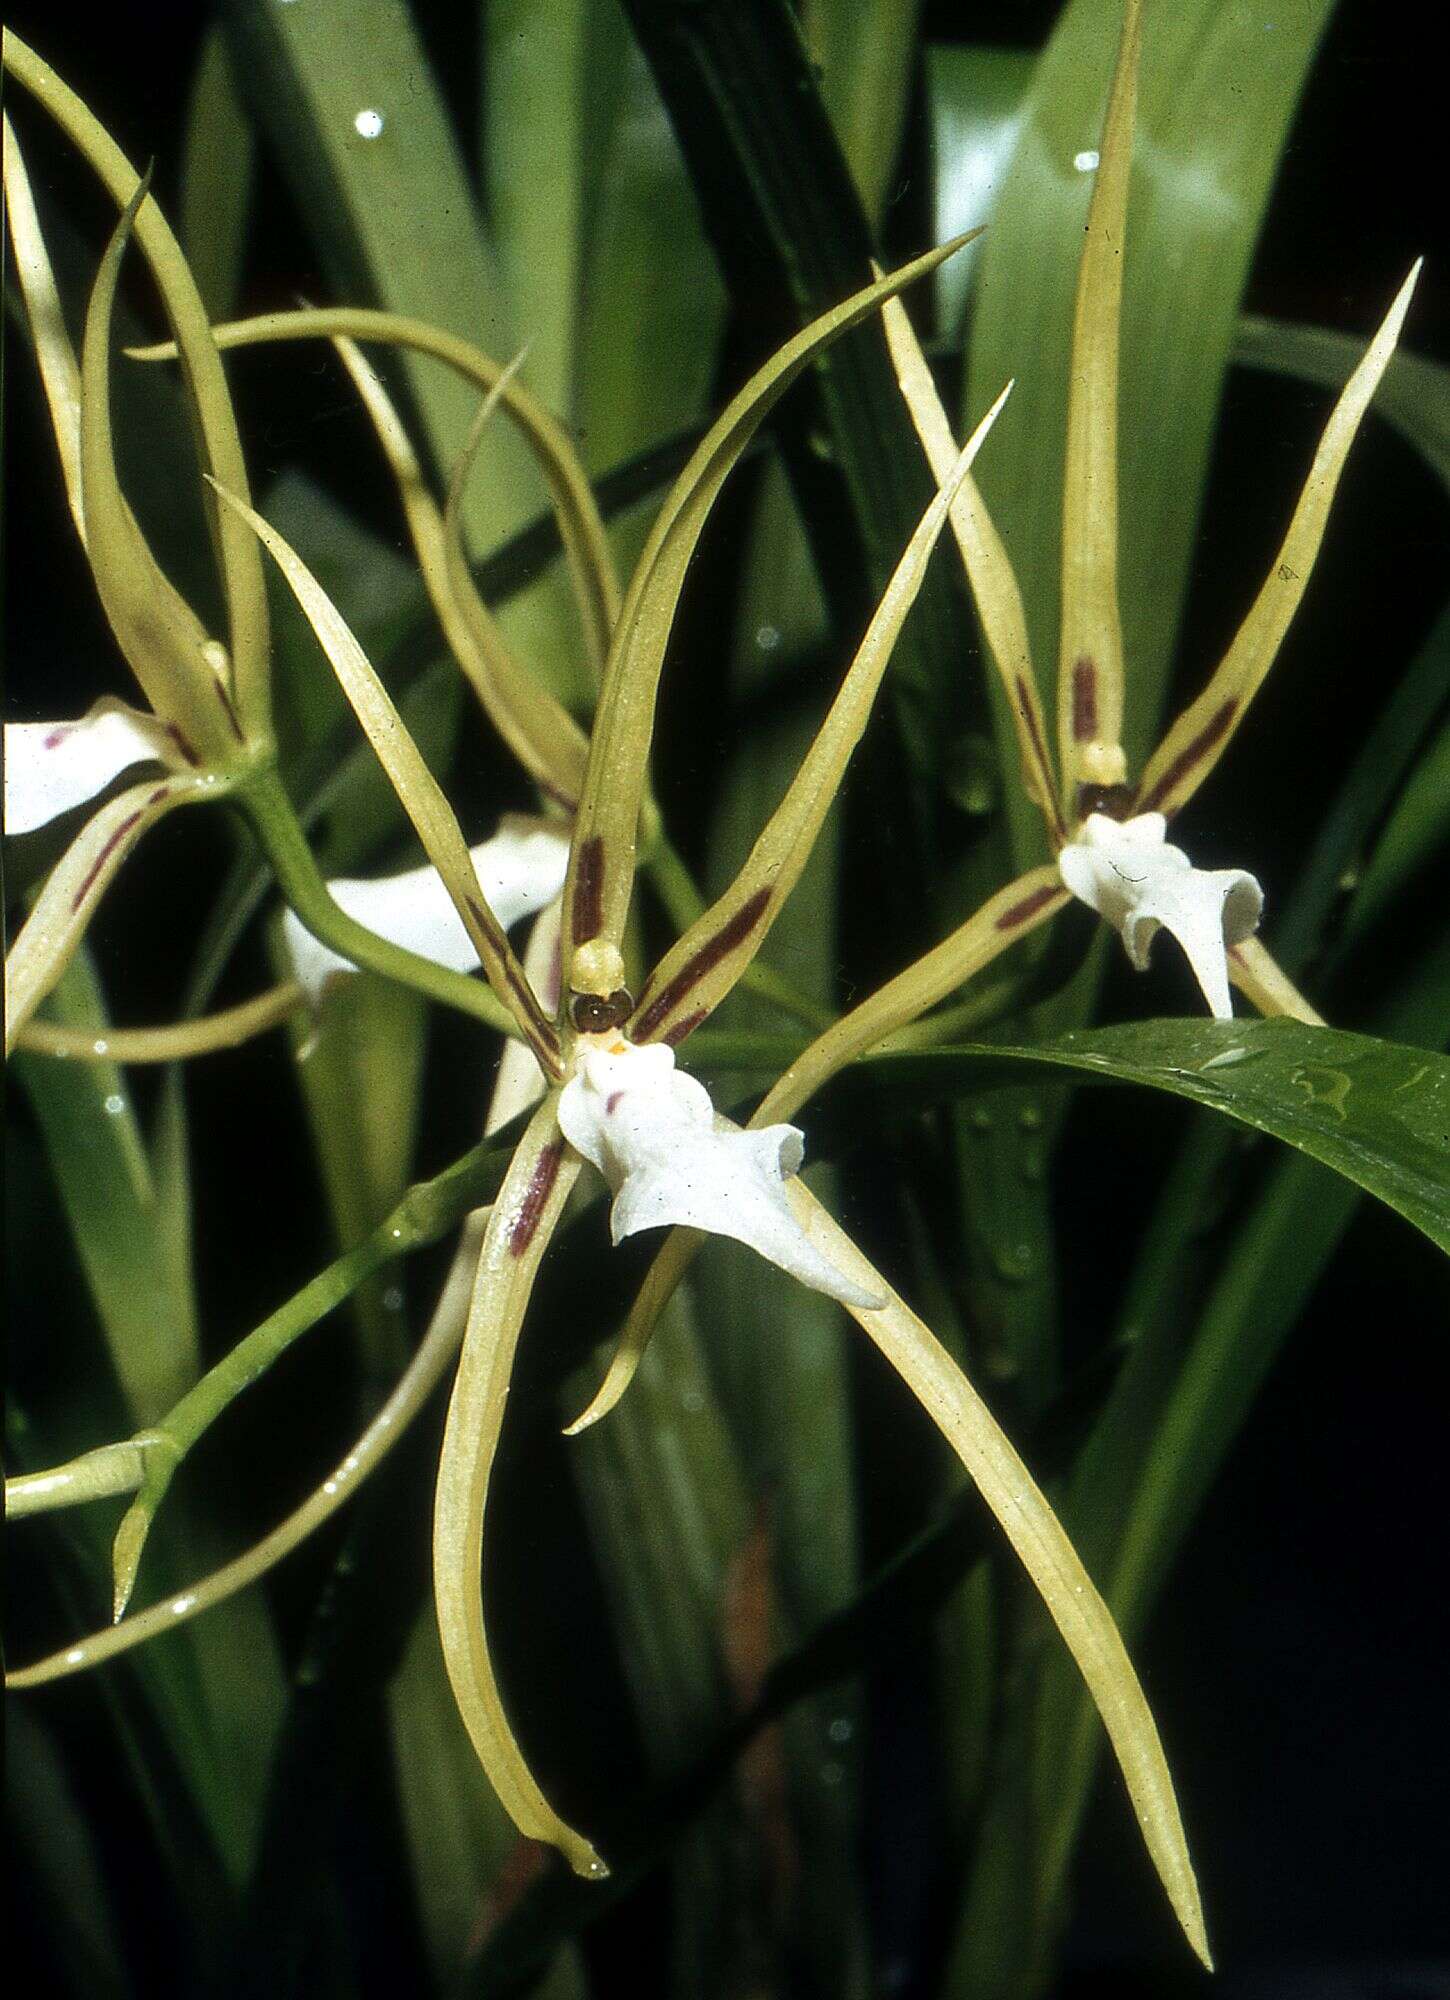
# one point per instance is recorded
(1215, 101)
(1376, 1112)
(974, 101)
(126, 1238)
(1414, 396)
(864, 52)
(216, 179)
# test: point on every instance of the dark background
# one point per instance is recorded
(1300, 1648)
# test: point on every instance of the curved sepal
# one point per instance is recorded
(523, 1219)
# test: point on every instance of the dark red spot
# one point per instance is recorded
(117, 834)
(183, 744)
(56, 738)
(745, 920)
(589, 890)
(1018, 913)
(686, 1025)
(1212, 732)
(226, 701)
(611, 1102)
(1084, 700)
(536, 1194)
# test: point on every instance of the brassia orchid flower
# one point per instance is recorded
(1109, 831)
(616, 1102)
(207, 722)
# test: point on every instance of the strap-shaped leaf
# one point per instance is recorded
(697, 973)
(1044, 1550)
(586, 546)
(415, 1385)
(60, 374)
(529, 1204)
(1257, 975)
(1090, 653)
(418, 790)
(182, 672)
(1203, 731)
(241, 567)
(995, 589)
(601, 869)
(542, 735)
(1009, 915)
(76, 885)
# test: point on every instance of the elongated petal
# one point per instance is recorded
(1090, 653)
(417, 789)
(164, 642)
(1267, 986)
(1009, 915)
(581, 529)
(519, 870)
(60, 374)
(541, 734)
(241, 565)
(1045, 1552)
(653, 1134)
(76, 884)
(697, 973)
(413, 1388)
(989, 569)
(176, 1041)
(601, 872)
(1201, 734)
(51, 767)
(1135, 880)
(524, 1216)
(519, 1084)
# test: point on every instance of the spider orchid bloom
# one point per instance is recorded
(615, 1100)
(1108, 831)
(207, 721)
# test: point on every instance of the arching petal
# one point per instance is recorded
(524, 1216)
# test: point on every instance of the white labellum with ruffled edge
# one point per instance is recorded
(652, 1132)
(1136, 880)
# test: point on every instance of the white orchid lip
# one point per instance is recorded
(1136, 880)
(51, 767)
(520, 869)
(653, 1133)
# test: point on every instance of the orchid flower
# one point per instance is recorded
(1107, 829)
(617, 1105)
(206, 724)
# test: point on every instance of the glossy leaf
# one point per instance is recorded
(1373, 1111)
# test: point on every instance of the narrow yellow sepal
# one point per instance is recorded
(1090, 652)
(528, 1207)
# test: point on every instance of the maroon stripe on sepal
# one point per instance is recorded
(536, 1194)
(1018, 913)
(589, 890)
(735, 932)
(1212, 732)
(117, 835)
(1084, 700)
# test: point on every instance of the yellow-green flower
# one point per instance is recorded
(1106, 825)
